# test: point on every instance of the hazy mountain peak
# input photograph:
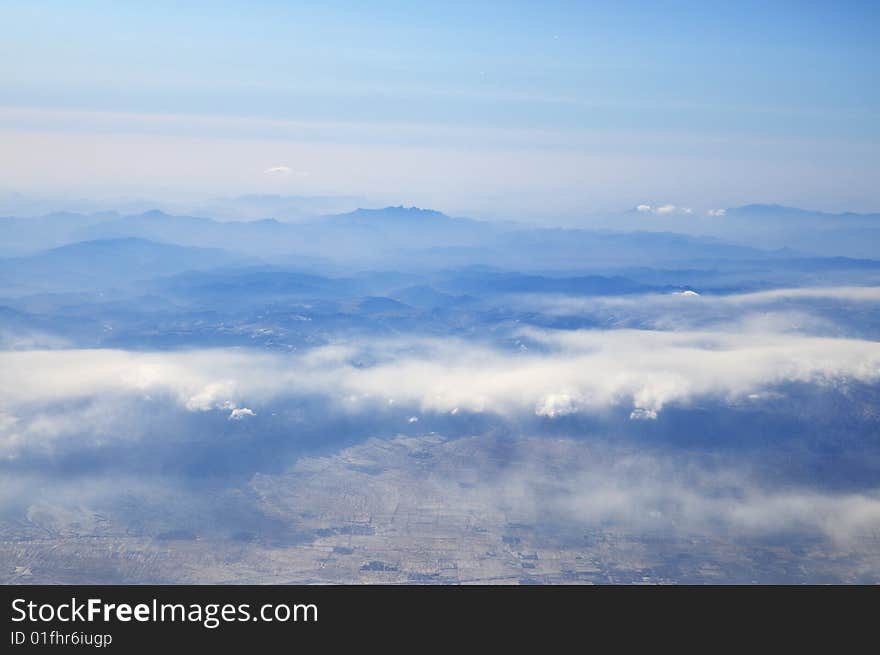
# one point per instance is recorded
(783, 212)
(769, 209)
(396, 212)
(108, 243)
(154, 213)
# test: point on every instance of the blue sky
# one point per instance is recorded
(493, 108)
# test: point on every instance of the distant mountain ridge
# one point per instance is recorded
(407, 237)
(104, 262)
(784, 211)
(396, 214)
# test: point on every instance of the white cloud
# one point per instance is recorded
(285, 170)
(644, 505)
(556, 404)
(546, 481)
(240, 413)
(555, 303)
(860, 294)
(571, 371)
(641, 414)
(716, 212)
(794, 312)
(51, 394)
(664, 210)
(214, 395)
(278, 170)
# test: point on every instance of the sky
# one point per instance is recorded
(492, 109)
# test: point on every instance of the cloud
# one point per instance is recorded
(278, 170)
(214, 395)
(655, 491)
(582, 505)
(138, 413)
(563, 373)
(284, 170)
(853, 294)
(556, 404)
(789, 311)
(701, 347)
(576, 485)
(663, 210)
(716, 212)
(240, 413)
(554, 303)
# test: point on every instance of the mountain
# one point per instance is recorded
(106, 263)
(356, 235)
(765, 227)
(400, 217)
(415, 239)
(818, 233)
(33, 234)
(482, 283)
(341, 235)
(397, 217)
(253, 287)
(782, 212)
(251, 207)
(407, 228)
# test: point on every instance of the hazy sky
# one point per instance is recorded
(492, 108)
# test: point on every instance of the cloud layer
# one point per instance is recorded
(551, 374)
